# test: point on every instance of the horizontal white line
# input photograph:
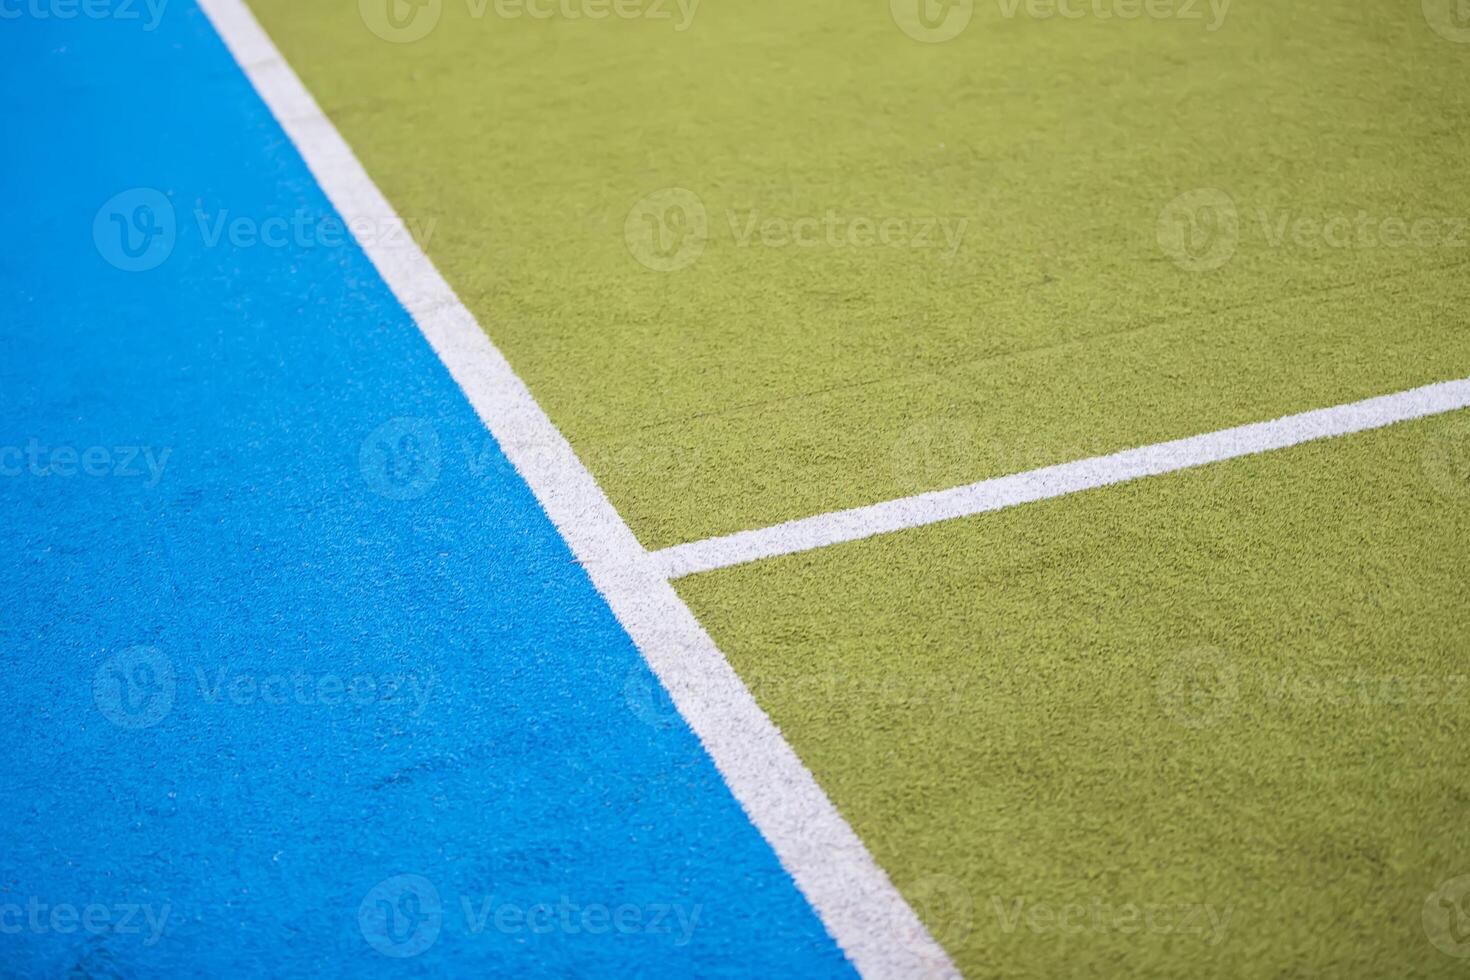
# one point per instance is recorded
(857, 903)
(1056, 481)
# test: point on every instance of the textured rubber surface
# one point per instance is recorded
(1207, 724)
(1080, 313)
(326, 638)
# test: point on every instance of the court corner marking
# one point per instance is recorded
(865, 915)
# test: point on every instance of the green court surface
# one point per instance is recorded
(788, 259)
(1234, 697)
(763, 379)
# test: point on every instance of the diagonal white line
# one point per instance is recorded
(1056, 481)
(858, 904)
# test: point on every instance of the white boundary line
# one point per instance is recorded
(861, 909)
(1056, 481)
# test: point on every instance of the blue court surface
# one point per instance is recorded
(299, 679)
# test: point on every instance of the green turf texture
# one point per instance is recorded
(765, 383)
(1245, 687)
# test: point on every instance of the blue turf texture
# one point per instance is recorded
(298, 678)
